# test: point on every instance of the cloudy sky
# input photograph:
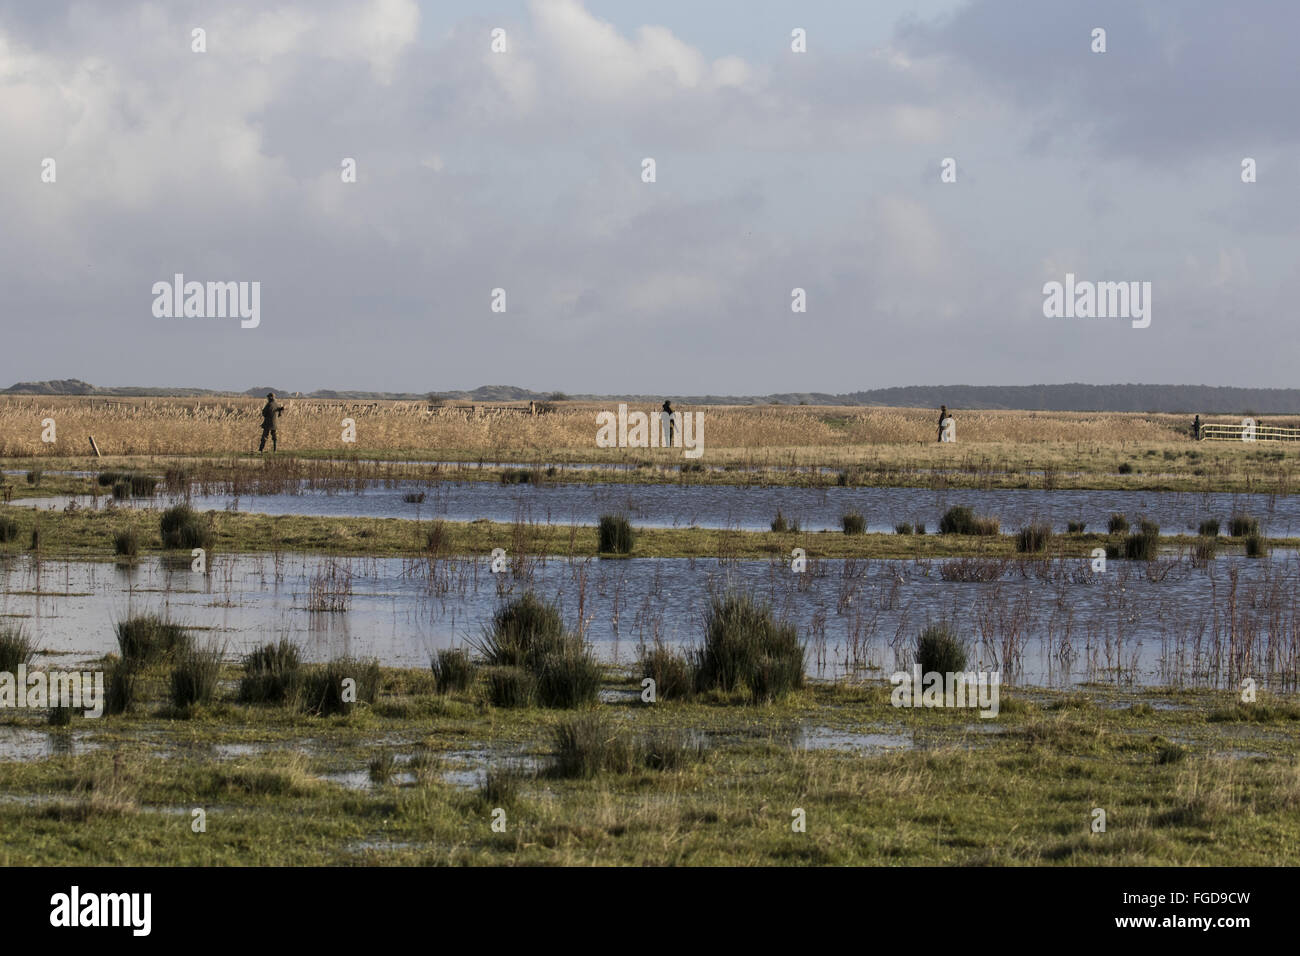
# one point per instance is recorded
(522, 171)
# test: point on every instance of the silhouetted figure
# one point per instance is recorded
(666, 416)
(1196, 428)
(943, 415)
(270, 412)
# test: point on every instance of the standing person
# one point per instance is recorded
(943, 414)
(270, 412)
(666, 417)
(1196, 428)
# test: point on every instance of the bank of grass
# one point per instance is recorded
(1020, 795)
(92, 535)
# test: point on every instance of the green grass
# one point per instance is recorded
(272, 674)
(938, 650)
(123, 796)
(147, 639)
(183, 527)
(746, 648)
(960, 519)
(853, 523)
(194, 676)
(453, 669)
(16, 647)
(615, 535)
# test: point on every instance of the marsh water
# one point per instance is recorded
(749, 508)
(1049, 623)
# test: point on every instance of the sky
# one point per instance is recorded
(522, 171)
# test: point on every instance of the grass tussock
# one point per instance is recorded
(183, 527)
(672, 671)
(147, 639)
(1033, 538)
(1242, 525)
(591, 744)
(272, 674)
(453, 670)
(747, 648)
(16, 647)
(195, 676)
(938, 650)
(337, 686)
(527, 637)
(615, 535)
(126, 543)
(853, 523)
(960, 519)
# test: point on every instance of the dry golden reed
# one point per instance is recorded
(771, 434)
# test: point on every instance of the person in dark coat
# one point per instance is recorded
(667, 417)
(270, 412)
(1196, 428)
(943, 414)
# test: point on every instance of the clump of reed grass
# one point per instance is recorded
(517, 476)
(853, 523)
(672, 672)
(1118, 524)
(1033, 538)
(1209, 528)
(435, 537)
(511, 687)
(146, 639)
(588, 745)
(1147, 526)
(528, 633)
(453, 669)
(745, 646)
(591, 744)
(34, 477)
(902, 528)
(1125, 468)
(501, 785)
(195, 675)
(60, 716)
(272, 674)
(781, 525)
(1204, 549)
(1256, 546)
(960, 519)
(183, 527)
(1075, 527)
(1141, 546)
(520, 632)
(8, 529)
(126, 543)
(568, 676)
(15, 647)
(672, 749)
(122, 687)
(939, 650)
(615, 535)
(383, 766)
(1242, 526)
(413, 497)
(337, 686)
